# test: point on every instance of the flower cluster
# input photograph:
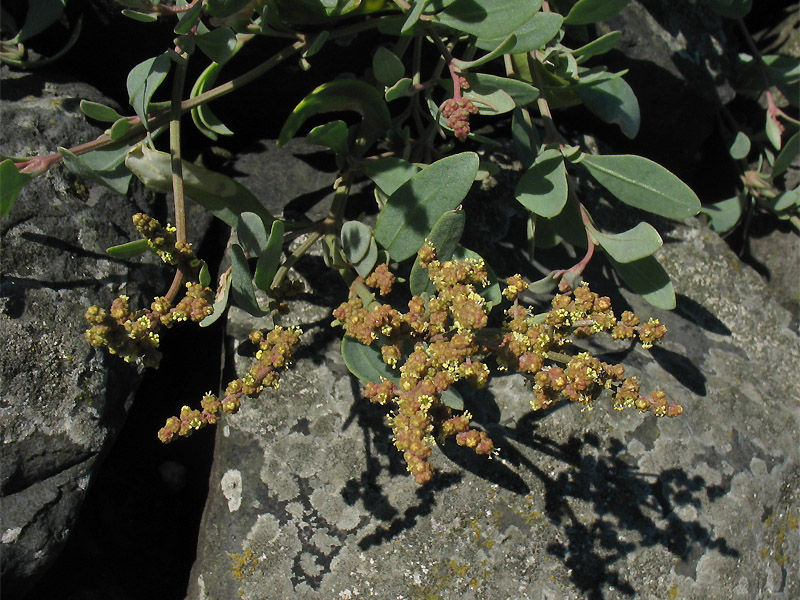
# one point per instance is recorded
(134, 334)
(275, 350)
(446, 339)
(457, 113)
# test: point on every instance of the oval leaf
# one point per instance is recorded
(725, 214)
(129, 250)
(220, 300)
(543, 188)
(414, 208)
(387, 67)
(356, 238)
(144, 79)
(628, 246)
(641, 183)
(740, 147)
(614, 102)
(99, 112)
(647, 278)
(389, 173)
(365, 362)
(365, 265)
(218, 44)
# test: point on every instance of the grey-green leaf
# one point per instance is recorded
(585, 12)
(614, 102)
(387, 67)
(143, 81)
(218, 44)
(628, 246)
(356, 238)
(599, 46)
(365, 362)
(543, 188)
(488, 19)
(242, 283)
(647, 278)
(270, 258)
(11, 182)
(333, 135)
(220, 301)
(365, 265)
(445, 235)
(105, 166)
(414, 207)
(389, 173)
(99, 112)
(129, 250)
(790, 151)
(725, 214)
(641, 183)
(41, 14)
(740, 147)
(251, 233)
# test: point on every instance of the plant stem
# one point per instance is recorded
(175, 147)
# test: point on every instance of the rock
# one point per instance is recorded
(309, 499)
(62, 401)
(679, 61)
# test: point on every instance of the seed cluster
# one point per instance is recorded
(457, 113)
(447, 339)
(275, 350)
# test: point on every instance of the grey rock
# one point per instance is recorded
(62, 402)
(309, 499)
(680, 61)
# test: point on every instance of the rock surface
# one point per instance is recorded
(62, 402)
(309, 499)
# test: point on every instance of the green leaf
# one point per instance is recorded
(485, 88)
(389, 173)
(41, 15)
(365, 265)
(414, 207)
(225, 198)
(269, 260)
(531, 35)
(204, 276)
(526, 141)
(105, 166)
(614, 102)
(724, 215)
(399, 89)
(641, 183)
(504, 47)
(599, 46)
(143, 81)
(317, 44)
(647, 278)
(773, 130)
(735, 9)
(451, 398)
(129, 250)
(788, 201)
(488, 19)
(339, 95)
(11, 182)
(628, 246)
(586, 12)
(225, 8)
(387, 67)
(242, 283)
(365, 362)
(99, 112)
(413, 16)
(220, 301)
(119, 128)
(206, 121)
(786, 156)
(140, 16)
(188, 19)
(333, 135)
(355, 238)
(218, 44)
(251, 233)
(740, 147)
(543, 188)
(445, 235)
